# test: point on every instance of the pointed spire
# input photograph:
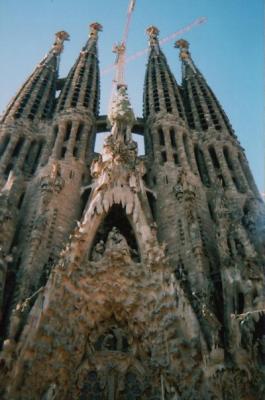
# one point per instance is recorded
(202, 107)
(58, 45)
(161, 92)
(81, 89)
(36, 98)
(184, 55)
(153, 33)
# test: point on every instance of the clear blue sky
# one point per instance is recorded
(228, 49)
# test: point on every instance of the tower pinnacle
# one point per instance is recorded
(95, 27)
(184, 54)
(153, 33)
(60, 37)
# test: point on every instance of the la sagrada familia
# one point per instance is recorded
(125, 276)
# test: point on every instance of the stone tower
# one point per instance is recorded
(127, 277)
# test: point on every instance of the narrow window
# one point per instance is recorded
(214, 158)
(79, 132)
(161, 137)
(68, 131)
(18, 147)
(152, 203)
(211, 211)
(4, 144)
(176, 160)
(163, 156)
(173, 138)
(63, 151)
(201, 164)
(186, 147)
(20, 201)
(37, 158)
(54, 136)
(240, 303)
(75, 151)
(228, 159)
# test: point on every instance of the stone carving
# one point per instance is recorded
(52, 183)
(121, 116)
(113, 340)
(60, 37)
(98, 251)
(184, 187)
(116, 246)
(51, 393)
(117, 242)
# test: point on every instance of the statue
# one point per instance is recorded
(98, 251)
(117, 242)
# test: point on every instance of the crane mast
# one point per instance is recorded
(120, 48)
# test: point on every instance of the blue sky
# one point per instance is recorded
(228, 49)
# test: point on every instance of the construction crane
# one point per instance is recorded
(120, 48)
(121, 60)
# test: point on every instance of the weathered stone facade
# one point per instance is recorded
(127, 277)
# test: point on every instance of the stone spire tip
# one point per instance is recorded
(183, 45)
(95, 27)
(60, 37)
(153, 32)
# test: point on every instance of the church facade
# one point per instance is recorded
(125, 276)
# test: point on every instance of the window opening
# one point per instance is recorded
(164, 156)
(173, 138)
(161, 137)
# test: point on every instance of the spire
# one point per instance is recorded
(161, 92)
(81, 89)
(202, 107)
(35, 100)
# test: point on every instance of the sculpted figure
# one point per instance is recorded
(98, 251)
(116, 241)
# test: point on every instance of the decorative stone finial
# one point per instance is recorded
(153, 33)
(60, 37)
(183, 45)
(95, 27)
